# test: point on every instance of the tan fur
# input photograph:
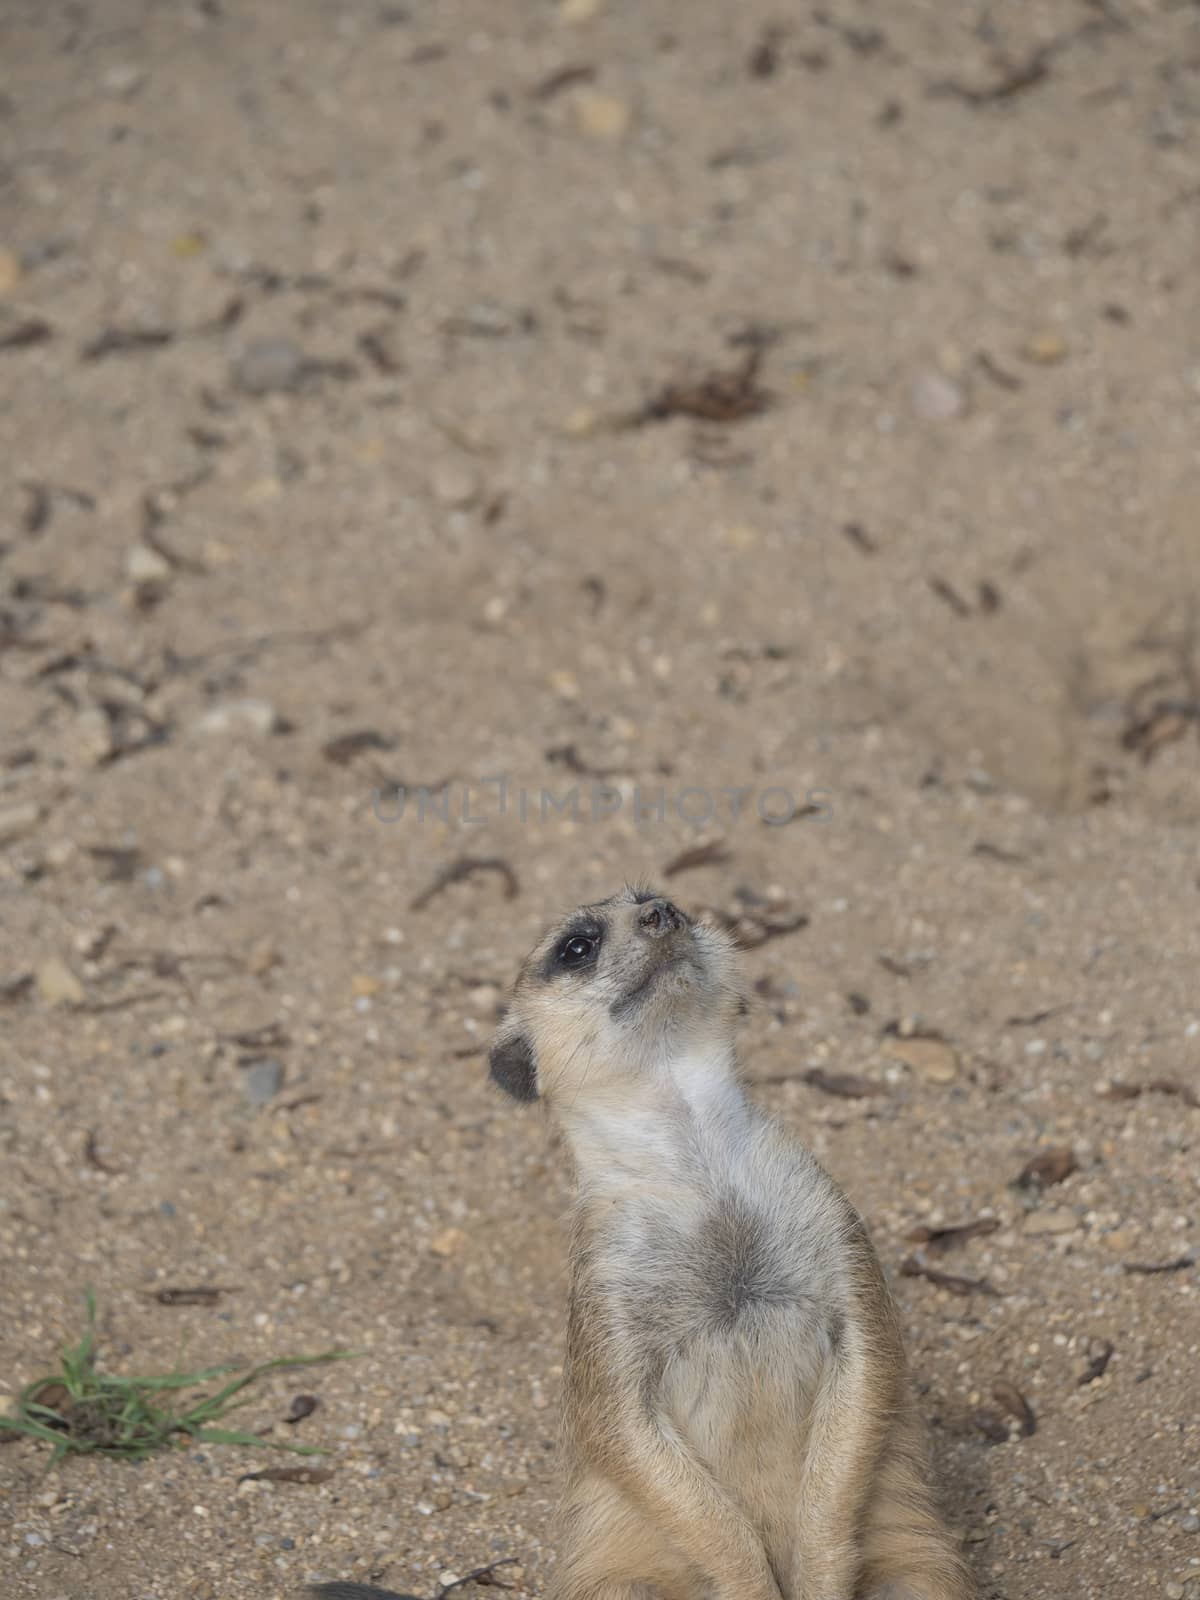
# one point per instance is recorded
(737, 1420)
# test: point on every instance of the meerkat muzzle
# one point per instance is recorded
(658, 918)
(668, 944)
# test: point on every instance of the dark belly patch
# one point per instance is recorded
(742, 1268)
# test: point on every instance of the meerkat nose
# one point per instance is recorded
(659, 917)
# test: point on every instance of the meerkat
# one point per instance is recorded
(737, 1423)
(737, 1420)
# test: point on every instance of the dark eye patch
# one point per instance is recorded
(577, 949)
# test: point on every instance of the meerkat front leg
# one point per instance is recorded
(848, 1425)
(610, 1551)
(709, 1539)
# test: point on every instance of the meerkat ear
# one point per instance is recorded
(512, 1065)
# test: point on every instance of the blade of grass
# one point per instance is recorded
(240, 1383)
(31, 1427)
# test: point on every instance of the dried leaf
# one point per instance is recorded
(1009, 1398)
(1133, 1091)
(568, 756)
(91, 1154)
(117, 863)
(1032, 1019)
(708, 853)
(1025, 75)
(36, 514)
(466, 867)
(54, 1395)
(125, 341)
(728, 395)
(846, 1085)
(991, 1424)
(1048, 1167)
(1102, 1351)
(1149, 1268)
(947, 593)
(303, 1405)
(752, 922)
(860, 538)
(288, 1475)
(914, 1267)
(942, 1239)
(565, 78)
(26, 334)
(201, 1295)
(14, 989)
(269, 1036)
(763, 61)
(342, 750)
(485, 1577)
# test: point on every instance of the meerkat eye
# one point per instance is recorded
(577, 949)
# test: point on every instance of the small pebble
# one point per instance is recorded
(565, 684)
(742, 537)
(602, 116)
(263, 956)
(124, 80)
(269, 365)
(18, 820)
(10, 271)
(455, 484)
(91, 737)
(487, 320)
(931, 1059)
(241, 716)
(263, 1080)
(1054, 1219)
(937, 398)
(57, 984)
(144, 565)
(448, 1243)
(1046, 349)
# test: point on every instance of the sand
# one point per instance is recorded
(723, 413)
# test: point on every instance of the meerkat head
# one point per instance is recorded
(615, 992)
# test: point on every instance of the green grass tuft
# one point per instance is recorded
(80, 1411)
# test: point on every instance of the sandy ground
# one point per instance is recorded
(611, 397)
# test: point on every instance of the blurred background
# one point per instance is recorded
(763, 437)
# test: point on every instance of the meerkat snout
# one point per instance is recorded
(660, 918)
